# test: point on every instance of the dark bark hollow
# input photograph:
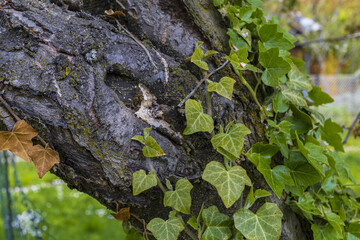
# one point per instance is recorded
(79, 80)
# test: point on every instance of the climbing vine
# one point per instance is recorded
(311, 177)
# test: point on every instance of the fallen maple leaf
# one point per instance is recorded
(44, 159)
(18, 141)
(122, 215)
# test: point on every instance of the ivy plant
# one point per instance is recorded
(299, 161)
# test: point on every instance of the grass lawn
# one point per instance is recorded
(67, 214)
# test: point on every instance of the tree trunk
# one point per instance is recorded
(79, 80)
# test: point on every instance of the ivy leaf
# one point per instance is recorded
(218, 224)
(330, 132)
(223, 88)
(18, 141)
(272, 38)
(276, 67)
(244, 33)
(166, 230)
(280, 103)
(335, 221)
(338, 164)
(197, 57)
(319, 97)
(302, 172)
(142, 182)
(301, 121)
(298, 80)
(293, 96)
(139, 138)
(179, 199)
(276, 177)
(237, 42)
(122, 215)
(324, 232)
(152, 148)
(251, 198)
(265, 224)
(209, 53)
(313, 154)
(354, 229)
(228, 183)
(259, 151)
(280, 135)
(307, 206)
(218, 3)
(231, 143)
(197, 120)
(44, 159)
(255, 3)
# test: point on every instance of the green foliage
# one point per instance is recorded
(152, 148)
(166, 230)
(197, 120)
(230, 143)
(265, 224)
(223, 88)
(296, 162)
(142, 182)
(218, 225)
(228, 183)
(275, 66)
(179, 199)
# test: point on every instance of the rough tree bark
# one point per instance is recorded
(76, 78)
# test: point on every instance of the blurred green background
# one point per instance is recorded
(62, 213)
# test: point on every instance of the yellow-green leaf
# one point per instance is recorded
(230, 144)
(139, 138)
(228, 183)
(180, 199)
(197, 120)
(264, 225)
(197, 57)
(152, 148)
(224, 87)
(166, 230)
(142, 182)
(218, 225)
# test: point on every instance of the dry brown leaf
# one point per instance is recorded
(122, 215)
(111, 12)
(44, 159)
(18, 141)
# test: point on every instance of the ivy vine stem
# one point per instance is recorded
(159, 183)
(208, 95)
(190, 233)
(253, 93)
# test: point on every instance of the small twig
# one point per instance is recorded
(138, 42)
(166, 66)
(350, 36)
(201, 82)
(351, 128)
(7, 106)
(143, 222)
(120, 4)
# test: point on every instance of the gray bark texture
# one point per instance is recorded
(88, 87)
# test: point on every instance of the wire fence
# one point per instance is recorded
(345, 90)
